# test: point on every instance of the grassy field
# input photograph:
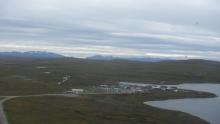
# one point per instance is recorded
(19, 76)
(98, 109)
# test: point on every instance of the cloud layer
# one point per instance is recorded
(171, 28)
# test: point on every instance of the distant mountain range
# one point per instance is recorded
(31, 54)
(141, 59)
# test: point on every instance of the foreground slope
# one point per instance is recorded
(98, 109)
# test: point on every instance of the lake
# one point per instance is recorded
(205, 108)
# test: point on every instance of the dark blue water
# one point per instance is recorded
(205, 108)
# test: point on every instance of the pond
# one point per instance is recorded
(205, 108)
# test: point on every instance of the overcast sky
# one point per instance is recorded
(80, 28)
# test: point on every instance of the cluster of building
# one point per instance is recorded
(128, 88)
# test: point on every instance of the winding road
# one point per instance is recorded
(3, 118)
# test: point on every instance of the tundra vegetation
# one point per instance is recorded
(99, 109)
(25, 76)
(21, 76)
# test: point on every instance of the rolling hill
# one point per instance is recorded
(27, 75)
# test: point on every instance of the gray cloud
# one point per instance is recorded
(171, 28)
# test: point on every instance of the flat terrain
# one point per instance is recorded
(98, 109)
(21, 76)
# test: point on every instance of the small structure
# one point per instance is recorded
(104, 86)
(47, 72)
(40, 67)
(138, 90)
(176, 90)
(155, 86)
(77, 91)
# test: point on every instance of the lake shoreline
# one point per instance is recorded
(193, 106)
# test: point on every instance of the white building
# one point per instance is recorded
(77, 91)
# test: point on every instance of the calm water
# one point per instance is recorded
(205, 108)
